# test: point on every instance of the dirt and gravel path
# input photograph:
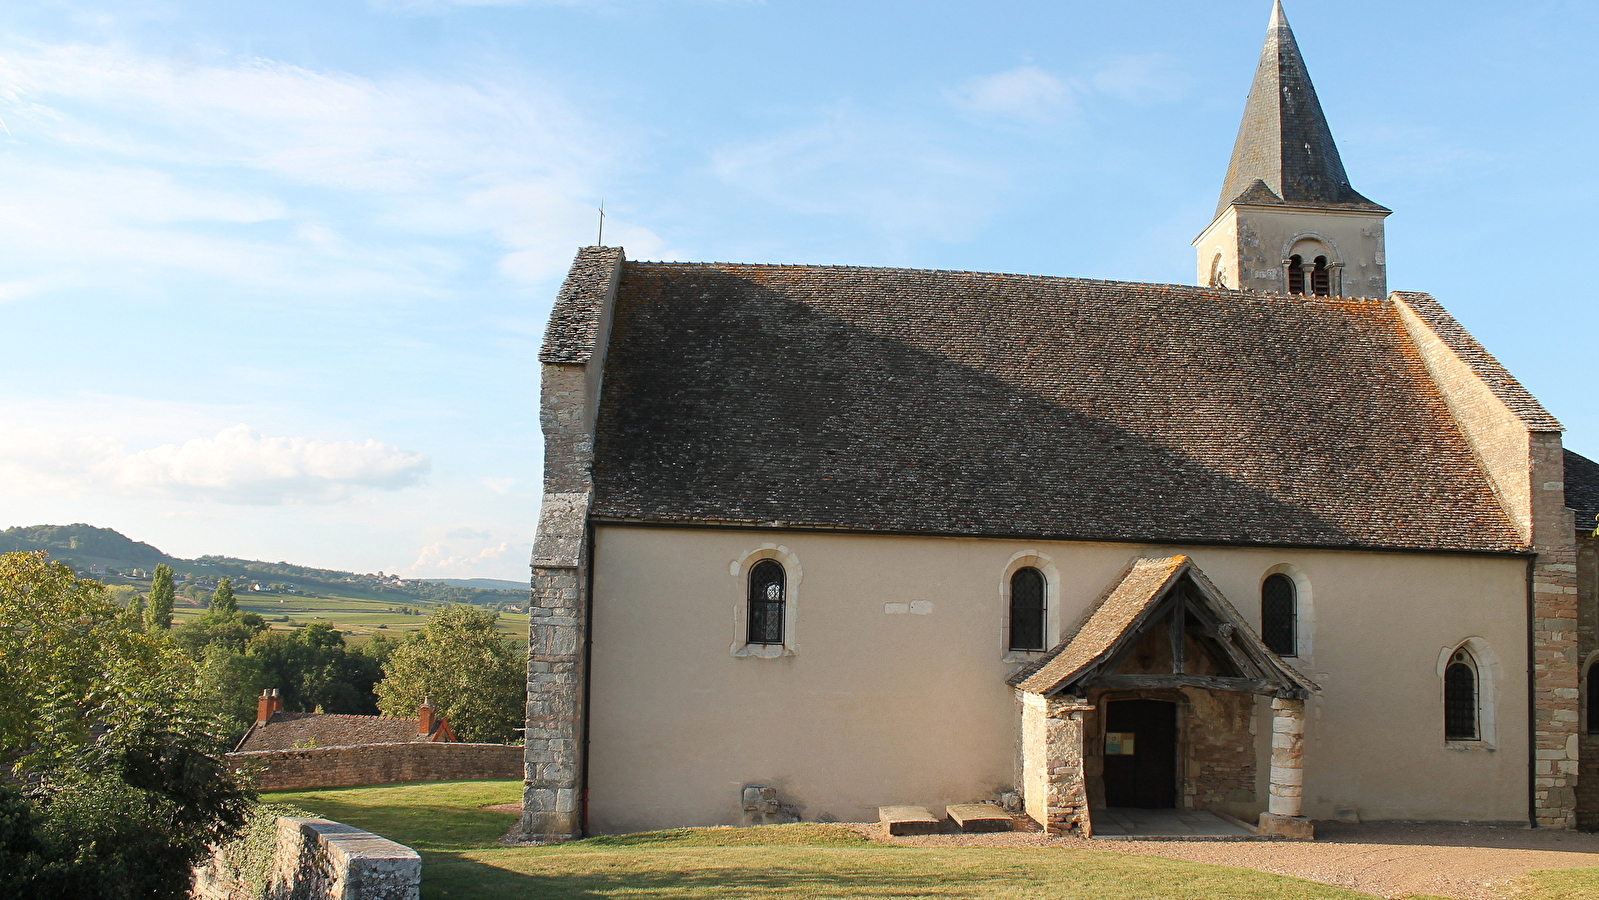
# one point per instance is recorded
(1470, 862)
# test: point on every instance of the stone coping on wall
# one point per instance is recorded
(319, 859)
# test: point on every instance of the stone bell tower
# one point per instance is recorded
(1288, 221)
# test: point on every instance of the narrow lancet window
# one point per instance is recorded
(1027, 610)
(1296, 274)
(1279, 615)
(766, 603)
(1593, 697)
(1460, 698)
(1321, 278)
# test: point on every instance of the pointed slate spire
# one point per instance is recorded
(1285, 151)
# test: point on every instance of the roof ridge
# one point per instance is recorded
(1191, 288)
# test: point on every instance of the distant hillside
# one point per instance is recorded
(83, 546)
(87, 548)
(485, 584)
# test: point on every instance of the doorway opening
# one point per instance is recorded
(1141, 754)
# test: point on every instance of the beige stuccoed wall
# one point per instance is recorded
(1254, 240)
(873, 709)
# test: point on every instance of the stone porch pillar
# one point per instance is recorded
(1284, 812)
(1053, 788)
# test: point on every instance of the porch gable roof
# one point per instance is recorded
(1123, 614)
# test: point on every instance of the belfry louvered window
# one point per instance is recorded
(1321, 278)
(1296, 274)
(1460, 698)
(766, 603)
(1279, 615)
(1027, 610)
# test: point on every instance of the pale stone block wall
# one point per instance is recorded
(316, 859)
(1054, 791)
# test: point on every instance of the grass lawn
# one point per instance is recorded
(460, 859)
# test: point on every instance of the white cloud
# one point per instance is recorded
(1032, 94)
(1026, 92)
(439, 560)
(237, 466)
(888, 175)
(274, 175)
(1142, 79)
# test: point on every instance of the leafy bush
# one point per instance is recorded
(119, 757)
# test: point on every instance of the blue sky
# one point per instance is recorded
(273, 276)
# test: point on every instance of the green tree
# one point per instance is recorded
(475, 676)
(117, 779)
(158, 615)
(313, 668)
(223, 602)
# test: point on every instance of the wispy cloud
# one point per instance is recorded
(1026, 92)
(891, 176)
(237, 466)
(333, 182)
(1031, 94)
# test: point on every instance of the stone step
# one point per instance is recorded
(979, 817)
(907, 820)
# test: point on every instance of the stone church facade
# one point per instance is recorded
(820, 539)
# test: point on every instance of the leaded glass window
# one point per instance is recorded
(766, 603)
(1027, 610)
(1460, 698)
(1279, 614)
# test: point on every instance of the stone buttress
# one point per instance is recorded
(573, 359)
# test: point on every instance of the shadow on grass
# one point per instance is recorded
(457, 877)
(845, 874)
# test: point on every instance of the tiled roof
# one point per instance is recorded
(1009, 405)
(1582, 489)
(1105, 625)
(1498, 379)
(1125, 609)
(290, 731)
(1283, 141)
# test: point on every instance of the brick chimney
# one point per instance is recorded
(424, 718)
(268, 703)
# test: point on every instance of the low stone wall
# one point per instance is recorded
(315, 859)
(327, 767)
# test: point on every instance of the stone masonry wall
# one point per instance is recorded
(1219, 758)
(571, 383)
(326, 767)
(315, 859)
(1556, 667)
(1054, 791)
(1587, 646)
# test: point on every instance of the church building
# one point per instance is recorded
(1286, 545)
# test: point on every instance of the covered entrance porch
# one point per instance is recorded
(1150, 705)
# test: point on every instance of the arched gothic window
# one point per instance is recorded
(1321, 278)
(1296, 274)
(1279, 615)
(1460, 697)
(766, 603)
(1593, 697)
(1027, 610)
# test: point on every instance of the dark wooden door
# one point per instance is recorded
(1146, 779)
